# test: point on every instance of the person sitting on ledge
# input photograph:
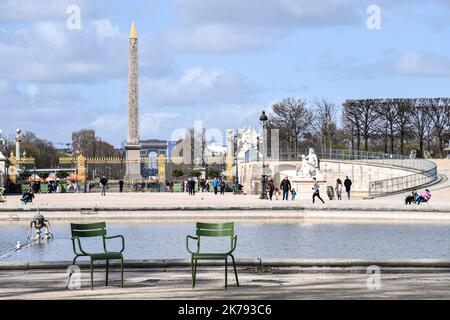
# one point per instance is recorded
(412, 197)
(28, 197)
(424, 197)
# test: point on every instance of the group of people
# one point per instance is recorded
(416, 198)
(218, 185)
(285, 189)
(340, 187)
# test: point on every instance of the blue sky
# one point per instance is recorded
(219, 61)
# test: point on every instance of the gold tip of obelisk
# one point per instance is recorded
(133, 33)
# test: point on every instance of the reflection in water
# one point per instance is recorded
(308, 240)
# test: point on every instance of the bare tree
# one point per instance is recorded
(421, 123)
(324, 121)
(352, 123)
(293, 118)
(438, 110)
(369, 119)
(362, 115)
(387, 116)
(403, 110)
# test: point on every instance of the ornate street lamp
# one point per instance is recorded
(236, 179)
(263, 118)
(7, 175)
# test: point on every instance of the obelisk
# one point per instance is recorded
(133, 146)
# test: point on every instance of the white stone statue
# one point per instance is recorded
(247, 140)
(214, 150)
(310, 165)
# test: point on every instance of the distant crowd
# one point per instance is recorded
(285, 190)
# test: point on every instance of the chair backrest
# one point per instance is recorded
(88, 229)
(215, 229)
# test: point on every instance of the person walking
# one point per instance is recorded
(222, 185)
(338, 188)
(277, 193)
(121, 185)
(316, 189)
(293, 194)
(103, 184)
(193, 187)
(270, 188)
(189, 186)
(348, 185)
(215, 184)
(202, 184)
(285, 186)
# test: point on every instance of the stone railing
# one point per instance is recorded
(423, 172)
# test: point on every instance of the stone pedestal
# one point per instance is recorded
(133, 165)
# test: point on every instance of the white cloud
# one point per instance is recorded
(50, 34)
(219, 38)
(197, 86)
(419, 64)
(105, 29)
(233, 25)
(392, 63)
(151, 124)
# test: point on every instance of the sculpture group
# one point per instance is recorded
(310, 165)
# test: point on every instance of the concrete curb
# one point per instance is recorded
(99, 209)
(257, 263)
(242, 215)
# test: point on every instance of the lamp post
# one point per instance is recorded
(7, 175)
(236, 179)
(263, 118)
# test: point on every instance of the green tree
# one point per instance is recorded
(62, 174)
(177, 173)
(213, 173)
(24, 175)
(195, 173)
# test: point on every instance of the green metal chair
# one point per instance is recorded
(96, 230)
(2, 195)
(213, 230)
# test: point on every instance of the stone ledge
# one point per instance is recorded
(258, 263)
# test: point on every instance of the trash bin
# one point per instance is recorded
(330, 192)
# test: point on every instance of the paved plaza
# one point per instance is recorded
(209, 206)
(279, 283)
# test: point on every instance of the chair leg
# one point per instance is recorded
(226, 272)
(195, 272)
(235, 272)
(192, 273)
(92, 275)
(121, 271)
(107, 271)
